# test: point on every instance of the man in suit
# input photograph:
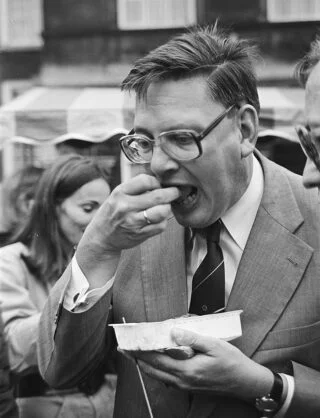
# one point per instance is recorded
(195, 127)
(308, 74)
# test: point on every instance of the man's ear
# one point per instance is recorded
(248, 119)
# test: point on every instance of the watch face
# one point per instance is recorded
(266, 404)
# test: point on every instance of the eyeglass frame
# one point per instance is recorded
(197, 137)
(305, 138)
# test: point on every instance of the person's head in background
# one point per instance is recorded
(68, 195)
(196, 120)
(18, 192)
(308, 74)
(107, 150)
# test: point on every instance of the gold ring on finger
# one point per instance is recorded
(146, 217)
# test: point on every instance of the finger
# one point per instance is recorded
(140, 184)
(202, 343)
(150, 230)
(155, 359)
(153, 198)
(155, 373)
(180, 353)
(155, 214)
(160, 361)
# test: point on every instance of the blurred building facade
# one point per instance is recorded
(21, 42)
(93, 43)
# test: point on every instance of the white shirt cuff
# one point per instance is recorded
(283, 410)
(77, 295)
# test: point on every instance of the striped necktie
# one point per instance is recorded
(208, 284)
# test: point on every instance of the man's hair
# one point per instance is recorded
(226, 62)
(308, 62)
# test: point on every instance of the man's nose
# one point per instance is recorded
(161, 162)
(311, 175)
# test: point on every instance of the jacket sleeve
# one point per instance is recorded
(67, 338)
(306, 398)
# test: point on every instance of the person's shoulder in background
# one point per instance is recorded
(16, 198)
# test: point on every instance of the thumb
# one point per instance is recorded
(196, 341)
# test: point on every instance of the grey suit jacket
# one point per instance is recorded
(277, 286)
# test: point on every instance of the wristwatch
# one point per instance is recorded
(271, 403)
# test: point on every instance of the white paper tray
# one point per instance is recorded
(157, 335)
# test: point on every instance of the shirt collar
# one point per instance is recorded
(239, 219)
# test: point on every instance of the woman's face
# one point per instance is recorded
(77, 210)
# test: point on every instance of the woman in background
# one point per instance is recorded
(67, 197)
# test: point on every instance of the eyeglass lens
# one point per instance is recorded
(178, 144)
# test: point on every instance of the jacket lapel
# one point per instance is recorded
(164, 277)
(273, 262)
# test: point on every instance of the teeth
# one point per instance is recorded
(189, 198)
(187, 195)
(185, 191)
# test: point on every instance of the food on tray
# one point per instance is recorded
(157, 335)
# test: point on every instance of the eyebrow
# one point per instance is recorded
(190, 127)
(143, 131)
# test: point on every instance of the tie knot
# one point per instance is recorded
(213, 231)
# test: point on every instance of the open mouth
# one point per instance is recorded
(187, 196)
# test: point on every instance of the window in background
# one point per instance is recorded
(293, 10)
(155, 14)
(21, 24)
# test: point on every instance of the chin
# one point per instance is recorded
(187, 219)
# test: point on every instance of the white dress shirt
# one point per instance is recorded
(237, 224)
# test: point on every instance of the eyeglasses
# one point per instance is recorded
(308, 144)
(180, 144)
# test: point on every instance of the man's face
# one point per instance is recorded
(311, 175)
(213, 182)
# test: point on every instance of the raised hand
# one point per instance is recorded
(135, 211)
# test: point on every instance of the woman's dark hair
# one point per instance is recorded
(50, 251)
(226, 62)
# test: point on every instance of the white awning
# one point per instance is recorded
(55, 114)
(281, 110)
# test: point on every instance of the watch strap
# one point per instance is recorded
(277, 388)
(271, 403)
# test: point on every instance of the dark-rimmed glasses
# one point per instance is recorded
(180, 144)
(308, 144)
